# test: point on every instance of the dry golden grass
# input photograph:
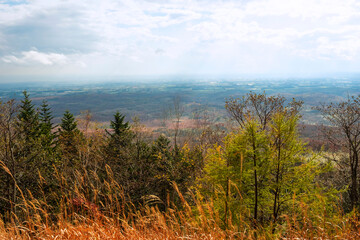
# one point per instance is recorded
(150, 223)
(114, 217)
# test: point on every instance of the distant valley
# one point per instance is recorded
(149, 99)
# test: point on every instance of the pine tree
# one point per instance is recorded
(28, 119)
(68, 123)
(46, 128)
(118, 150)
(119, 126)
(29, 130)
(70, 139)
(45, 118)
(49, 156)
(172, 165)
(163, 173)
(120, 139)
(28, 146)
(120, 135)
(162, 146)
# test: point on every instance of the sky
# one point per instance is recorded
(159, 37)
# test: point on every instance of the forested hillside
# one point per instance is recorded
(251, 178)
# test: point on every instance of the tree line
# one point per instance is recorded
(260, 171)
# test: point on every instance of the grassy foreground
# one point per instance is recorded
(115, 217)
(153, 224)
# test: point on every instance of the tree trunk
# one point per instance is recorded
(227, 202)
(277, 190)
(256, 185)
(354, 196)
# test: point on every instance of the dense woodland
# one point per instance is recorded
(252, 178)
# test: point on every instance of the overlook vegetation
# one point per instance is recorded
(253, 178)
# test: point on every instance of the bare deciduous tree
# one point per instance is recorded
(172, 115)
(178, 113)
(253, 105)
(208, 131)
(344, 117)
(8, 132)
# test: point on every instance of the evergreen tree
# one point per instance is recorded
(162, 147)
(28, 119)
(120, 134)
(173, 165)
(27, 152)
(46, 128)
(70, 139)
(68, 123)
(119, 125)
(28, 129)
(45, 118)
(164, 169)
(118, 151)
(49, 155)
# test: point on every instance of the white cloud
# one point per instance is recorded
(228, 36)
(34, 57)
(346, 48)
(313, 9)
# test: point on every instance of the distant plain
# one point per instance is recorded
(149, 99)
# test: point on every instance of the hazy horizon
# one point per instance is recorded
(83, 79)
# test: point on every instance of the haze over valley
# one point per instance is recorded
(147, 98)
